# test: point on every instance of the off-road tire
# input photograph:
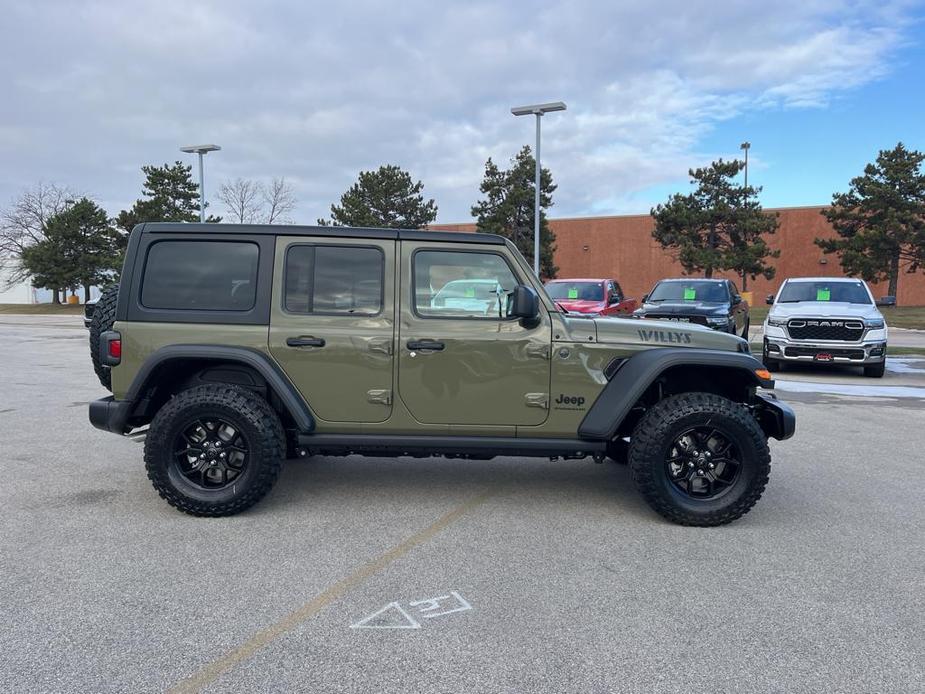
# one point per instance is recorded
(875, 370)
(256, 421)
(104, 315)
(653, 437)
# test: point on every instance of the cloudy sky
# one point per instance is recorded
(317, 91)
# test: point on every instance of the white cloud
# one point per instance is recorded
(317, 91)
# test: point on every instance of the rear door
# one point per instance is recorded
(332, 324)
(461, 360)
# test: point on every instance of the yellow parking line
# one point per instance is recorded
(215, 669)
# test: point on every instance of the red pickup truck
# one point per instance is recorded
(601, 297)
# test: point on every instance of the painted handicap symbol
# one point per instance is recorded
(394, 616)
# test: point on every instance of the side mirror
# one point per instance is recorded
(525, 303)
(886, 301)
(769, 299)
(736, 300)
(645, 298)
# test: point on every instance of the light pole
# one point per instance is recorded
(746, 146)
(537, 110)
(201, 150)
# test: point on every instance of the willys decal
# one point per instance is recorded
(666, 336)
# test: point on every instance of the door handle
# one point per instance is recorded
(432, 345)
(307, 341)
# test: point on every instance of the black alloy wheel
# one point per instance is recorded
(214, 450)
(703, 462)
(211, 453)
(699, 458)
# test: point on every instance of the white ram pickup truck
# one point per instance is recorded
(826, 320)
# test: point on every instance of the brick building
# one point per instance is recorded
(623, 247)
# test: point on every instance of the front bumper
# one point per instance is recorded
(822, 352)
(110, 414)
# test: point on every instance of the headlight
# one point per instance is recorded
(777, 322)
(717, 320)
(639, 312)
(874, 323)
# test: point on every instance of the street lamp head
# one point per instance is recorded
(200, 149)
(745, 145)
(538, 109)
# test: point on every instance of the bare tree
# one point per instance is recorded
(243, 200)
(249, 202)
(25, 221)
(279, 199)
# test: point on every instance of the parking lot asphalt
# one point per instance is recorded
(435, 575)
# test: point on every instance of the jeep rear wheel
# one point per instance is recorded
(214, 450)
(699, 459)
(104, 315)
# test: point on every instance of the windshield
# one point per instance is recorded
(709, 292)
(847, 292)
(575, 291)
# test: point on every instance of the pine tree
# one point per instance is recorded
(387, 198)
(508, 207)
(169, 195)
(720, 226)
(880, 221)
(80, 248)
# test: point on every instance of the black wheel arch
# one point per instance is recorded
(652, 375)
(176, 368)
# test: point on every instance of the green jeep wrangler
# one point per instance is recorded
(239, 346)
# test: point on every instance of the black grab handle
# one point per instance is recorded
(432, 345)
(305, 342)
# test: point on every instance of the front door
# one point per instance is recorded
(461, 359)
(333, 324)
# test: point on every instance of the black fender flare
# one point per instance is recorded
(638, 372)
(259, 361)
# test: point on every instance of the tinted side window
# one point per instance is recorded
(460, 284)
(200, 275)
(334, 279)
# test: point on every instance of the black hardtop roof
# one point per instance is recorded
(334, 232)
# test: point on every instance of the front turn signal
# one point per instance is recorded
(763, 374)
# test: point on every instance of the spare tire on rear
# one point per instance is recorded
(104, 315)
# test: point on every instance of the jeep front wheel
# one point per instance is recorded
(214, 450)
(699, 459)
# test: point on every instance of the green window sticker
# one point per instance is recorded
(823, 295)
(470, 292)
(690, 294)
(573, 293)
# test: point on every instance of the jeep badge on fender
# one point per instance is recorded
(572, 400)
